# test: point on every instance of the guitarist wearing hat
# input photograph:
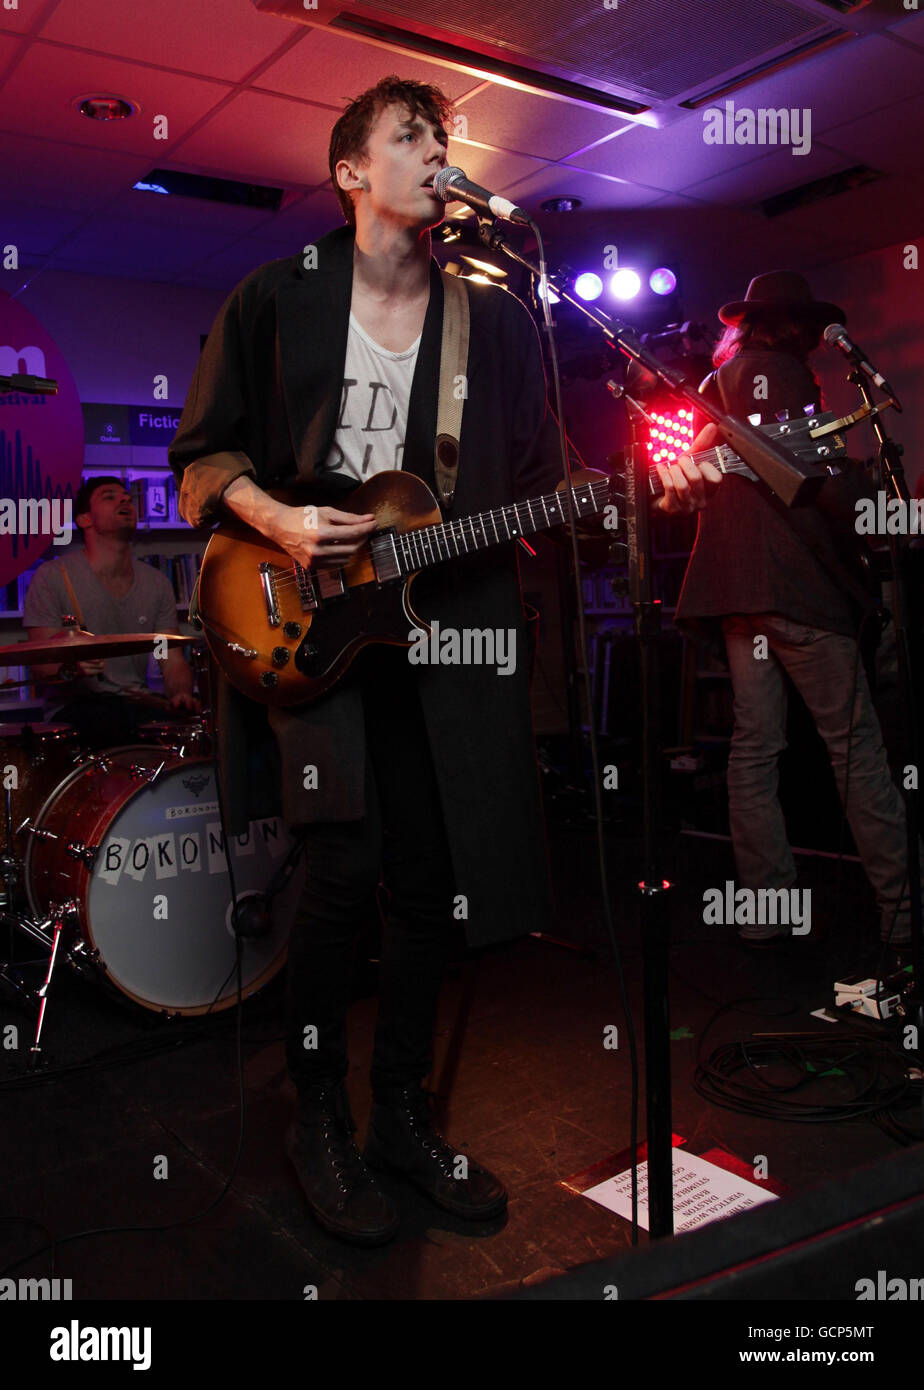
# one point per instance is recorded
(760, 570)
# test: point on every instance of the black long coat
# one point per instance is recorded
(264, 403)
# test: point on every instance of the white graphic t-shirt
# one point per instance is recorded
(373, 407)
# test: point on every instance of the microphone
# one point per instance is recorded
(452, 186)
(836, 335)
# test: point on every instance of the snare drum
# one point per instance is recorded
(133, 836)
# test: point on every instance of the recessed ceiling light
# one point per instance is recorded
(561, 204)
(105, 108)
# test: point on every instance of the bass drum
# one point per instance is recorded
(133, 835)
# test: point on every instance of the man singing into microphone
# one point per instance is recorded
(325, 366)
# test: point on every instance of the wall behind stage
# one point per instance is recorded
(884, 303)
(117, 335)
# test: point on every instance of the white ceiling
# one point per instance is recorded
(251, 96)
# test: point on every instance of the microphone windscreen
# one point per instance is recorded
(444, 178)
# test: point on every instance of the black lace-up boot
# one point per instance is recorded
(342, 1193)
(402, 1139)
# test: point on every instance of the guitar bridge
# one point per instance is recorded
(268, 584)
(306, 591)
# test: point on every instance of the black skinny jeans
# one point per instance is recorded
(401, 841)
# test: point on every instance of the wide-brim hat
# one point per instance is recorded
(781, 289)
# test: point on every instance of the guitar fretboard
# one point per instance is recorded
(429, 545)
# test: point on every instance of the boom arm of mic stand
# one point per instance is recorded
(795, 481)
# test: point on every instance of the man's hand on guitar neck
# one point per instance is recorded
(327, 545)
(689, 485)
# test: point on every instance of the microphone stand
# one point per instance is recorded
(796, 482)
(907, 640)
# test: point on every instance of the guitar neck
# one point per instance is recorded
(429, 545)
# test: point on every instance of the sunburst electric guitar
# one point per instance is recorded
(284, 634)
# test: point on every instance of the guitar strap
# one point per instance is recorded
(453, 364)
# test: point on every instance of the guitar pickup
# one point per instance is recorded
(329, 585)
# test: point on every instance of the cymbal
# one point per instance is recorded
(73, 644)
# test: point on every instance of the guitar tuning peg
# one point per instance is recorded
(811, 409)
(782, 416)
(755, 419)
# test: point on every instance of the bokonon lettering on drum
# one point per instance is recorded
(167, 855)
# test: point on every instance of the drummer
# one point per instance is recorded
(108, 591)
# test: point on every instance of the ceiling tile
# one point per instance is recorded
(271, 140)
(21, 20)
(493, 168)
(139, 249)
(855, 77)
(172, 210)
(774, 173)
(9, 48)
(890, 140)
(330, 68)
(541, 126)
(293, 227)
(181, 34)
(910, 29)
(232, 263)
(670, 159)
(68, 176)
(52, 77)
(36, 231)
(560, 180)
(878, 214)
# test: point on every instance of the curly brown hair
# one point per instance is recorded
(351, 133)
(776, 330)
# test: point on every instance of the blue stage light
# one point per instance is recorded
(588, 286)
(662, 280)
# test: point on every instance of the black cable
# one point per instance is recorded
(732, 1076)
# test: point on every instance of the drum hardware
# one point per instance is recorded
(60, 916)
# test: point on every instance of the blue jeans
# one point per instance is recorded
(825, 670)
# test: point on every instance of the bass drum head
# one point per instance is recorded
(157, 904)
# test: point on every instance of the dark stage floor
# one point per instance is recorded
(533, 1094)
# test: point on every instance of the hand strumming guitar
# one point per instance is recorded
(328, 544)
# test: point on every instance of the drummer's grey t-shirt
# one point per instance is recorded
(149, 606)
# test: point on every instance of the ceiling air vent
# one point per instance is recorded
(818, 190)
(246, 195)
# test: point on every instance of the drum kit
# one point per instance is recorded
(115, 860)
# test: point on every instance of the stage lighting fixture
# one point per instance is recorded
(662, 280)
(588, 286)
(553, 297)
(625, 284)
(670, 434)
